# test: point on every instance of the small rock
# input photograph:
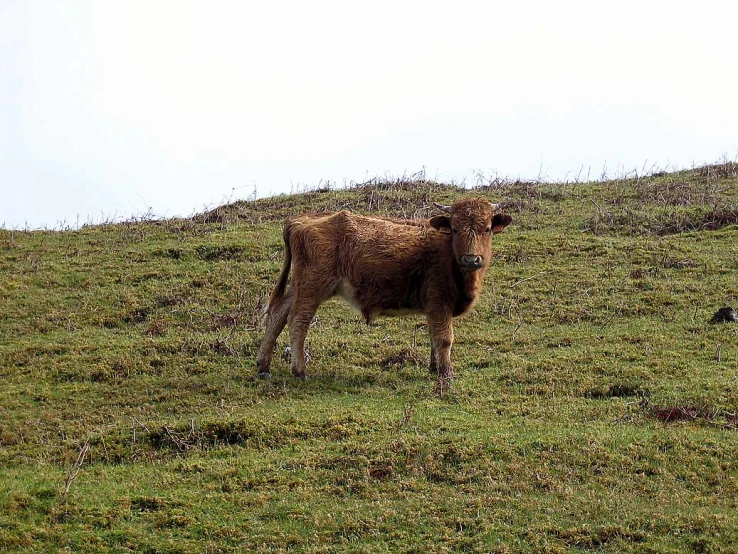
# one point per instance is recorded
(725, 315)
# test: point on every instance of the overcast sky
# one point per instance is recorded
(109, 109)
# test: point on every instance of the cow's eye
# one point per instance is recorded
(454, 229)
(488, 230)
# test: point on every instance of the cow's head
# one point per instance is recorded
(471, 224)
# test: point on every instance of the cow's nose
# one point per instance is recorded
(472, 261)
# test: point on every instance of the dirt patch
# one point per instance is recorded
(401, 359)
(667, 414)
(670, 413)
(170, 300)
(137, 315)
(156, 329)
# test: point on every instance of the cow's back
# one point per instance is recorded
(378, 265)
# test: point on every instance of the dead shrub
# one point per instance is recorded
(718, 171)
(517, 205)
(417, 205)
(668, 220)
(717, 219)
(413, 182)
(674, 192)
(221, 215)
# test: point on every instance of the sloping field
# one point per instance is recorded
(594, 407)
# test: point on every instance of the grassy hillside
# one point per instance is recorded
(594, 406)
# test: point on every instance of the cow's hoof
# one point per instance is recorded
(265, 375)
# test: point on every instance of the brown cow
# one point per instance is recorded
(383, 267)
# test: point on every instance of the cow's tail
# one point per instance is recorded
(279, 289)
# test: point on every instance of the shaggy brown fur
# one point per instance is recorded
(383, 267)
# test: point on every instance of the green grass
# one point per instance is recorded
(594, 407)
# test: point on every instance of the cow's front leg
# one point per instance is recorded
(300, 317)
(441, 333)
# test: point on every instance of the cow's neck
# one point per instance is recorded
(468, 287)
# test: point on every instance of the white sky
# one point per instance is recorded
(110, 108)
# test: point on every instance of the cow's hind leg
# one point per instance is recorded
(276, 320)
(300, 318)
(311, 286)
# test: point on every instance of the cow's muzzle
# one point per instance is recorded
(471, 262)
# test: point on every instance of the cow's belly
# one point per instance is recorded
(380, 306)
(395, 311)
(348, 293)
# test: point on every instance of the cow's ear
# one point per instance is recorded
(499, 222)
(441, 223)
